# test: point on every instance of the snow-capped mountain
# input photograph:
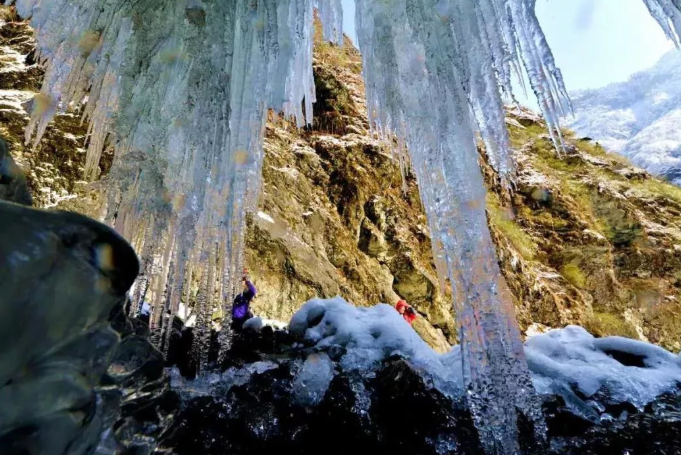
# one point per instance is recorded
(639, 118)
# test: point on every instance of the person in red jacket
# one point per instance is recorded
(406, 311)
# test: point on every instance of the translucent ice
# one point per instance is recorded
(313, 379)
(180, 91)
(432, 71)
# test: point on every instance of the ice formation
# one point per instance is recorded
(433, 72)
(374, 333)
(371, 335)
(180, 90)
(313, 379)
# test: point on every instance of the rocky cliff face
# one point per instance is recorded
(586, 238)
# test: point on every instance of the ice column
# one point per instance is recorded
(668, 14)
(433, 70)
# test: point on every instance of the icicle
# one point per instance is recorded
(331, 16)
(430, 65)
(668, 14)
(161, 292)
(185, 86)
(202, 327)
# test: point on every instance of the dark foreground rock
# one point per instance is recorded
(257, 406)
(655, 430)
(138, 387)
(62, 275)
(13, 184)
(76, 374)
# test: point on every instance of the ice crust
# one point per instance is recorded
(572, 363)
(313, 379)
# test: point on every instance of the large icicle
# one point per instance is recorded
(433, 71)
(668, 14)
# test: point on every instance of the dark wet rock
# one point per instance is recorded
(253, 408)
(62, 275)
(393, 412)
(654, 431)
(410, 413)
(75, 372)
(141, 400)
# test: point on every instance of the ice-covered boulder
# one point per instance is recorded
(62, 276)
(253, 324)
(380, 328)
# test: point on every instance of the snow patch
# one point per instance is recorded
(370, 335)
(266, 217)
(572, 363)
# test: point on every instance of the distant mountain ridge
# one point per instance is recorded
(639, 118)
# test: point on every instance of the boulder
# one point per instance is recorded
(62, 276)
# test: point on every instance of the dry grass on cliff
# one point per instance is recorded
(660, 188)
(608, 324)
(502, 218)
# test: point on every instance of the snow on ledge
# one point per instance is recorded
(573, 363)
(568, 362)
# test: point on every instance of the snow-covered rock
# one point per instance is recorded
(312, 388)
(368, 336)
(638, 118)
(587, 372)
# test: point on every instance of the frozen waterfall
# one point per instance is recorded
(180, 89)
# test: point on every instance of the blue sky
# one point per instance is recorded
(595, 42)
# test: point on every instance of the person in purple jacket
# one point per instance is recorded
(241, 308)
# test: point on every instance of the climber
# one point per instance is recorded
(407, 312)
(240, 308)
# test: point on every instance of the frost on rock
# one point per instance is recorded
(217, 383)
(572, 363)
